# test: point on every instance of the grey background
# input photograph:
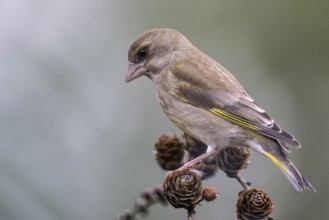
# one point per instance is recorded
(76, 141)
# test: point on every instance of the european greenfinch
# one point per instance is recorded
(207, 102)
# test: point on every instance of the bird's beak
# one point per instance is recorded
(135, 70)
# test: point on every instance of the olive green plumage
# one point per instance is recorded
(206, 101)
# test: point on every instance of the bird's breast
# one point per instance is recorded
(197, 122)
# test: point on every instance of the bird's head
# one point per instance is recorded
(152, 52)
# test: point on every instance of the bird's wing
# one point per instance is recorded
(221, 94)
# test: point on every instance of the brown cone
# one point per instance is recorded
(169, 151)
(183, 189)
(254, 204)
(193, 146)
(231, 160)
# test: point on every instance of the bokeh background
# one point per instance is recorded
(76, 141)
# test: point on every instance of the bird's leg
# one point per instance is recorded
(211, 151)
(245, 184)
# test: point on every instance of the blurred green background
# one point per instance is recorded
(76, 141)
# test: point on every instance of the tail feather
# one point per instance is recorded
(275, 153)
(292, 173)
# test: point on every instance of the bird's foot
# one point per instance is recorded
(198, 162)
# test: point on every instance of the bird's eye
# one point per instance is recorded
(141, 54)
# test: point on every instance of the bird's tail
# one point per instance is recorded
(277, 155)
(292, 173)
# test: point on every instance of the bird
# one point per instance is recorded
(204, 100)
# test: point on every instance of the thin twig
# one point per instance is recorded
(245, 184)
(148, 198)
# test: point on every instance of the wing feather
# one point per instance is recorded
(228, 100)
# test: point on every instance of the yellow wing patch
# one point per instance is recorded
(277, 162)
(235, 119)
